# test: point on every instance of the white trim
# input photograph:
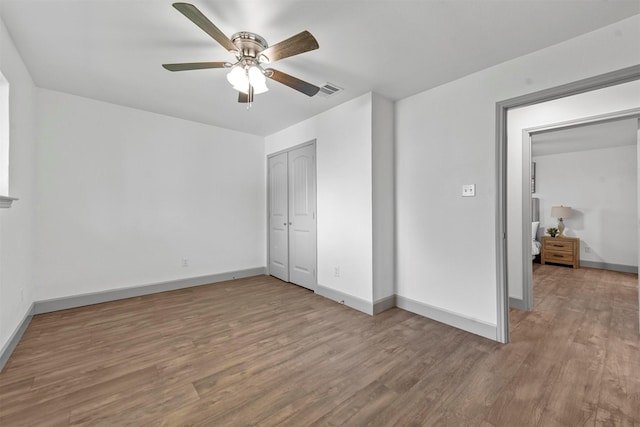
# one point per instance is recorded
(447, 317)
(502, 284)
(438, 314)
(15, 338)
(517, 303)
(583, 121)
(5, 202)
(346, 299)
(293, 147)
(384, 304)
(5, 139)
(527, 265)
(607, 266)
(55, 304)
(64, 303)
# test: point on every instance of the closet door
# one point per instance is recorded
(302, 217)
(278, 217)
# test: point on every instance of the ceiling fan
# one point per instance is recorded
(248, 75)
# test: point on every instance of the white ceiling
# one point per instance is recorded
(112, 50)
(587, 137)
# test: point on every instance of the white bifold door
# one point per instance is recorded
(292, 216)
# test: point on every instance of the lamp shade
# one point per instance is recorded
(238, 79)
(561, 211)
(237, 76)
(257, 80)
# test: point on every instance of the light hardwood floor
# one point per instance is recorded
(261, 352)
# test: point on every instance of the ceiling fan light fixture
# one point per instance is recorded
(238, 79)
(244, 89)
(257, 80)
(246, 75)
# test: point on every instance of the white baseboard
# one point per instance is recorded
(346, 299)
(516, 303)
(64, 303)
(15, 338)
(452, 319)
(456, 320)
(384, 304)
(608, 266)
(55, 304)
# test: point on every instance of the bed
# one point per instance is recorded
(535, 223)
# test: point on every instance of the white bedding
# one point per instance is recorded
(535, 248)
(535, 245)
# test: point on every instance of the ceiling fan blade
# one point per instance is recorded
(195, 16)
(194, 66)
(293, 82)
(300, 43)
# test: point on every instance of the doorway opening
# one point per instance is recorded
(502, 108)
(572, 153)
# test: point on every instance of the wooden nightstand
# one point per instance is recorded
(561, 250)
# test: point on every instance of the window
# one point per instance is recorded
(5, 200)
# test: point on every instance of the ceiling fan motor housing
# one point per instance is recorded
(249, 44)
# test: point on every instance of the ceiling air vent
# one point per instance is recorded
(329, 89)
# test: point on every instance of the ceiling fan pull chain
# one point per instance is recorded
(250, 97)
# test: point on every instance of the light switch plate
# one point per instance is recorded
(468, 190)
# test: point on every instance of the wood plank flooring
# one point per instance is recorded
(261, 352)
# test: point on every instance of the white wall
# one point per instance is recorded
(344, 180)
(125, 194)
(589, 104)
(601, 188)
(445, 137)
(383, 158)
(16, 223)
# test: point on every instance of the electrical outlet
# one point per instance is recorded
(468, 190)
(185, 262)
(336, 271)
(587, 249)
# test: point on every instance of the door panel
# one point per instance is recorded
(278, 217)
(302, 217)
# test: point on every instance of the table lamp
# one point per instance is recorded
(561, 212)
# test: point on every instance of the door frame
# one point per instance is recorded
(586, 85)
(527, 135)
(311, 142)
